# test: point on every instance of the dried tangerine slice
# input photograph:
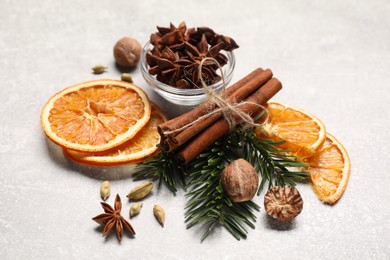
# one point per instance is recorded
(143, 144)
(330, 169)
(95, 115)
(302, 132)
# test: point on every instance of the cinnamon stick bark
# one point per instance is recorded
(236, 93)
(209, 135)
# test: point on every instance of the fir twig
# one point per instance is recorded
(165, 168)
(208, 204)
(273, 163)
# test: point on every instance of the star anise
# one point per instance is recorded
(112, 218)
(177, 53)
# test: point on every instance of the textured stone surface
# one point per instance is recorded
(333, 58)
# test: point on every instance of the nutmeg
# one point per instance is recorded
(283, 203)
(127, 52)
(240, 180)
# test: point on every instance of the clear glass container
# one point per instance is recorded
(185, 97)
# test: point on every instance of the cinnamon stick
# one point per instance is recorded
(204, 107)
(236, 93)
(209, 135)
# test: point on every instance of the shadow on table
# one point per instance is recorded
(97, 172)
(113, 235)
(271, 223)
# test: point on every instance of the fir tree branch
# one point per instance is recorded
(273, 163)
(165, 168)
(208, 204)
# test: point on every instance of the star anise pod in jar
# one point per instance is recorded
(178, 52)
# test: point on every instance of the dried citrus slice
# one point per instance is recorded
(95, 115)
(144, 143)
(302, 132)
(330, 168)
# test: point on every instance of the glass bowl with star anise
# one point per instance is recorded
(170, 63)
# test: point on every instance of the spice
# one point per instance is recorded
(126, 77)
(240, 180)
(235, 93)
(127, 52)
(177, 53)
(135, 209)
(159, 213)
(283, 203)
(219, 128)
(140, 191)
(105, 190)
(112, 218)
(99, 69)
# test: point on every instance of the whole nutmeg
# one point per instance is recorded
(127, 52)
(283, 203)
(240, 180)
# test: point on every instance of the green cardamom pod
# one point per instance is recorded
(135, 209)
(140, 191)
(126, 77)
(159, 213)
(99, 69)
(105, 190)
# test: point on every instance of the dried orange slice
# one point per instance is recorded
(143, 144)
(95, 115)
(303, 133)
(330, 168)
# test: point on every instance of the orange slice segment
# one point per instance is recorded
(302, 131)
(95, 115)
(144, 143)
(330, 168)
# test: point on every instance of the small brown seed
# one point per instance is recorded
(283, 203)
(159, 213)
(127, 52)
(240, 180)
(140, 191)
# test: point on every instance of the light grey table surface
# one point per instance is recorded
(333, 58)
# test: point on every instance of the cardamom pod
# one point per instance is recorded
(126, 77)
(159, 213)
(99, 69)
(140, 191)
(135, 209)
(105, 190)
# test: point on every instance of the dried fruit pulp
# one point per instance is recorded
(302, 131)
(96, 115)
(306, 137)
(141, 145)
(330, 169)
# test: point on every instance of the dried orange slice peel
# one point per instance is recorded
(96, 115)
(330, 169)
(143, 144)
(305, 136)
(302, 132)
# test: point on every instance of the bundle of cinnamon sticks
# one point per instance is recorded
(254, 89)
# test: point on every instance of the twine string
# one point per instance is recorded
(229, 111)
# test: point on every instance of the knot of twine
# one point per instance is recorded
(229, 111)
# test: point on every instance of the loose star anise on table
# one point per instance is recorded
(178, 52)
(112, 218)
